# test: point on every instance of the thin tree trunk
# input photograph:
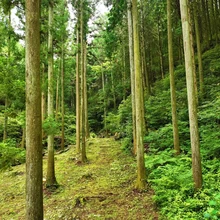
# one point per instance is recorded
(62, 96)
(104, 97)
(141, 172)
(172, 80)
(85, 93)
(83, 153)
(113, 89)
(132, 73)
(51, 179)
(199, 51)
(34, 192)
(23, 137)
(78, 106)
(160, 51)
(57, 92)
(194, 132)
(5, 133)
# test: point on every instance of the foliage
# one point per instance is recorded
(50, 126)
(213, 211)
(171, 178)
(69, 128)
(10, 155)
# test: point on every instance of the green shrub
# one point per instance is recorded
(213, 211)
(10, 155)
(171, 179)
(50, 126)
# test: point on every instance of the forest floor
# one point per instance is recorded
(101, 189)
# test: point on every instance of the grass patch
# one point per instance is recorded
(102, 188)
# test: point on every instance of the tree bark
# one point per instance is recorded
(85, 93)
(5, 133)
(51, 179)
(34, 192)
(199, 51)
(83, 153)
(131, 57)
(62, 96)
(194, 132)
(141, 172)
(172, 80)
(78, 105)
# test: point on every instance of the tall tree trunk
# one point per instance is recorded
(104, 98)
(62, 96)
(141, 172)
(199, 51)
(57, 91)
(78, 105)
(34, 192)
(172, 80)
(5, 133)
(85, 93)
(208, 21)
(131, 56)
(83, 153)
(204, 23)
(160, 50)
(193, 52)
(43, 99)
(113, 89)
(51, 179)
(124, 71)
(194, 132)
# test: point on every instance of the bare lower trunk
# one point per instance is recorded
(51, 179)
(192, 106)
(141, 172)
(34, 192)
(62, 96)
(172, 80)
(131, 56)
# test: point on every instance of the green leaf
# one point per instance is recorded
(212, 203)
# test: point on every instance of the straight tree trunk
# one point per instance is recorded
(104, 98)
(51, 179)
(5, 133)
(141, 172)
(208, 21)
(78, 105)
(194, 132)
(172, 80)
(193, 52)
(57, 91)
(199, 51)
(85, 93)
(160, 50)
(131, 56)
(83, 153)
(113, 89)
(34, 192)
(62, 96)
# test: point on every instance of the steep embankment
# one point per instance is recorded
(99, 189)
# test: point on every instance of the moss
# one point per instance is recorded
(103, 188)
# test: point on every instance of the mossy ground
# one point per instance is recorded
(103, 188)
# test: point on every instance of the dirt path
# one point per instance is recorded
(100, 189)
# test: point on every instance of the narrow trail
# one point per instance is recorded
(101, 189)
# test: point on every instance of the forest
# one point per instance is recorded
(110, 109)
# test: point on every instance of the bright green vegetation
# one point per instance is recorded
(99, 189)
(97, 63)
(170, 176)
